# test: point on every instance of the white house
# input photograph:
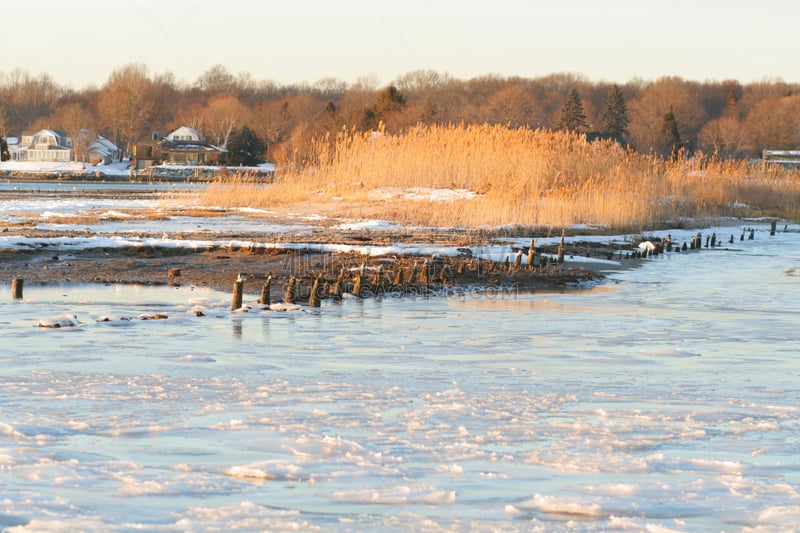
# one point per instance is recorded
(101, 151)
(45, 145)
(184, 146)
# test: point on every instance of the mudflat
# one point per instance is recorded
(218, 267)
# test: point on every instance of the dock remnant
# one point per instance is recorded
(16, 288)
(238, 287)
(266, 291)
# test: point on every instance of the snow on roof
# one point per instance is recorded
(185, 133)
(103, 145)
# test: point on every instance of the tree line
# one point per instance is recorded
(262, 119)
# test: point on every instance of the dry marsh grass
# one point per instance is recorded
(519, 177)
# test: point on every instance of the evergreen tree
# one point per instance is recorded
(572, 116)
(5, 155)
(245, 148)
(670, 135)
(615, 119)
(389, 101)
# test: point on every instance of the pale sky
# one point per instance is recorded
(80, 42)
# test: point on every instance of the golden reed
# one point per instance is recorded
(518, 177)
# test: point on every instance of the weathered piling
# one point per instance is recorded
(377, 278)
(266, 290)
(335, 290)
(238, 287)
(289, 294)
(422, 278)
(444, 274)
(16, 288)
(561, 249)
(313, 298)
(357, 285)
(772, 228)
(531, 253)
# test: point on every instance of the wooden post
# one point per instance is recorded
(531, 253)
(16, 288)
(357, 285)
(336, 288)
(561, 249)
(238, 285)
(423, 273)
(443, 274)
(313, 298)
(772, 228)
(288, 296)
(377, 278)
(266, 291)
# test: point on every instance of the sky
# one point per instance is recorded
(79, 43)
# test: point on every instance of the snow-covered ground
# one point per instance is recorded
(118, 170)
(72, 167)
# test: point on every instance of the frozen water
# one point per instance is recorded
(665, 399)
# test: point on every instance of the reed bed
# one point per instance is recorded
(517, 177)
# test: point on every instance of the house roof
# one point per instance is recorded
(57, 133)
(103, 145)
(185, 131)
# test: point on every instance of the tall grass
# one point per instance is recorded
(520, 176)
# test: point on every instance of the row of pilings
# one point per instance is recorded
(405, 276)
(402, 277)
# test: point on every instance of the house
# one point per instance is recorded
(45, 145)
(786, 158)
(101, 151)
(185, 146)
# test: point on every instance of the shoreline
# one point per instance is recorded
(219, 268)
(321, 247)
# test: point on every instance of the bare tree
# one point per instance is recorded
(216, 80)
(725, 137)
(221, 116)
(654, 103)
(774, 124)
(125, 104)
(272, 122)
(77, 123)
